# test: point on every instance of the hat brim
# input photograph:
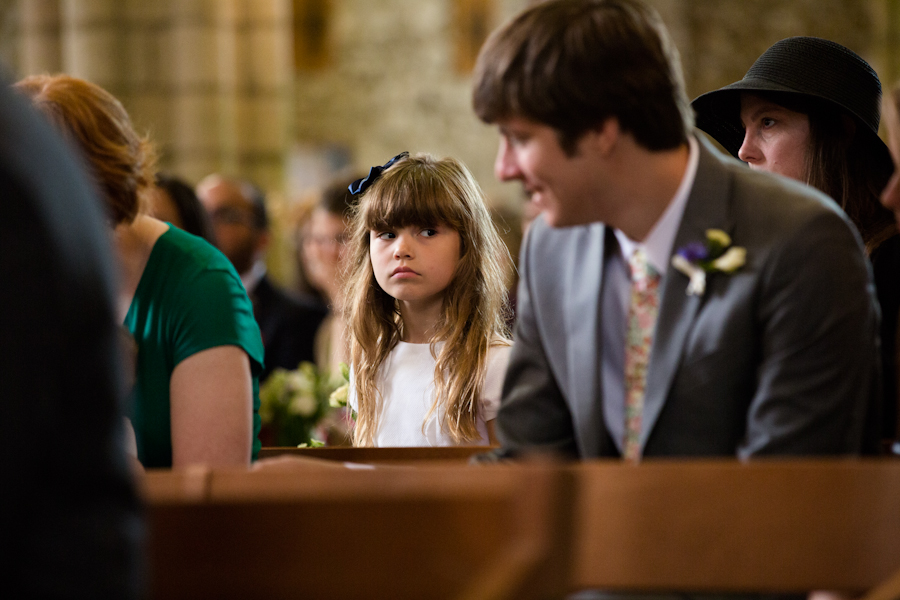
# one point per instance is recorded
(718, 113)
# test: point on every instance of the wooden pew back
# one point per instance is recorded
(526, 531)
(722, 526)
(448, 532)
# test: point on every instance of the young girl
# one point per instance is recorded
(425, 296)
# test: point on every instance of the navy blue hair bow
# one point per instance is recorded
(361, 185)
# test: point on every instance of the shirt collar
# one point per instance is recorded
(658, 243)
(252, 277)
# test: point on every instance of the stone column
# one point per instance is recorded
(261, 95)
(263, 72)
(92, 42)
(193, 99)
(229, 70)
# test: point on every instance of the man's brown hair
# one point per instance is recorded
(121, 162)
(572, 64)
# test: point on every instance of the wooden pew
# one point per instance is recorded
(379, 455)
(324, 532)
(160, 486)
(527, 531)
(722, 526)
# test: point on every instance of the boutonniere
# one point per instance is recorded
(717, 255)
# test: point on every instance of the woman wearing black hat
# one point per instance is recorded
(809, 109)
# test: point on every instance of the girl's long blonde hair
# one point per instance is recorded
(423, 191)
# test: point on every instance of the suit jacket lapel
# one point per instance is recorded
(584, 338)
(706, 208)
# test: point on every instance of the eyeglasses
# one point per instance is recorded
(230, 215)
(322, 240)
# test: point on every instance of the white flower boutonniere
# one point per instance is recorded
(717, 255)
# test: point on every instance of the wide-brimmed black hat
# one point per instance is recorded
(805, 66)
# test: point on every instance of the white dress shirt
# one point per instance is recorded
(251, 278)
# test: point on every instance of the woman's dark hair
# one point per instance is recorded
(337, 199)
(194, 217)
(841, 163)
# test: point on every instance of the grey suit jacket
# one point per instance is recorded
(778, 358)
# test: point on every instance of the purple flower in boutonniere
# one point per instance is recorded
(717, 255)
(694, 252)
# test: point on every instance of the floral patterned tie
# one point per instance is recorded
(641, 324)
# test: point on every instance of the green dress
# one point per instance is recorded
(189, 299)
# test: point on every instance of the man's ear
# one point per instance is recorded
(605, 136)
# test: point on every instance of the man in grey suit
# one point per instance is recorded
(770, 350)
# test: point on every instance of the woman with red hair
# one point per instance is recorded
(199, 351)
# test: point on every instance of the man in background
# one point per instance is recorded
(237, 209)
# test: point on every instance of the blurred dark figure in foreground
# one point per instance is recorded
(70, 525)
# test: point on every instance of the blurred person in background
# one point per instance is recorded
(237, 209)
(195, 398)
(322, 227)
(321, 245)
(172, 200)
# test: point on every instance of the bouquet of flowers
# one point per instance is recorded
(293, 403)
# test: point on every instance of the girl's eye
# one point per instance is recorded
(767, 122)
(386, 235)
(429, 232)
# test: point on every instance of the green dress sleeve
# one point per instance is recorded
(189, 299)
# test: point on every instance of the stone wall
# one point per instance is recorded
(213, 80)
(392, 86)
(209, 80)
(721, 39)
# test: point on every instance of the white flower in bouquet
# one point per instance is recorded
(296, 402)
(302, 404)
(338, 397)
(302, 382)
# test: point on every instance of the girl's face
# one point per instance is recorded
(414, 264)
(776, 139)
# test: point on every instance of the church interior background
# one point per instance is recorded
(291, 93)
